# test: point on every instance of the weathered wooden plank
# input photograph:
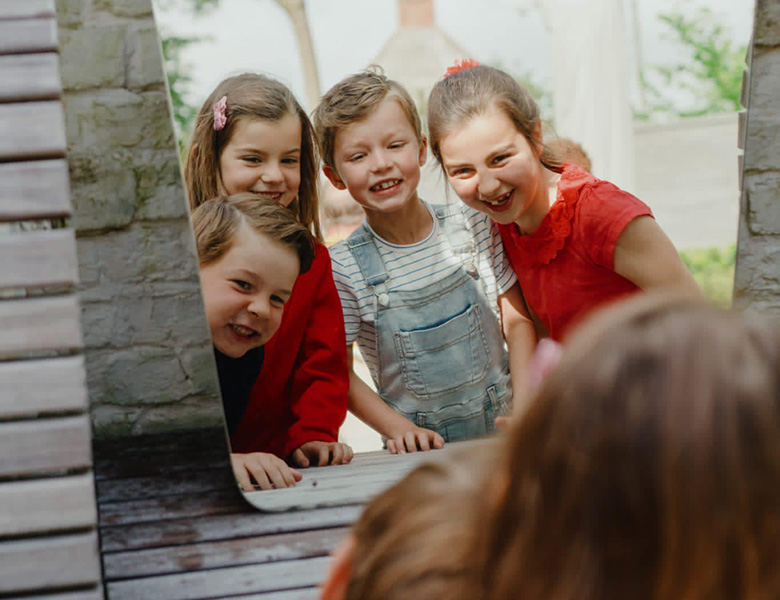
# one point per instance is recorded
(45, 446)
(186, 482)
(741, 129)
(94, 592)
(27, 9)
(744, 94)
(309, 593)
(47, 505)
(209, 456)
(220, 502)
(223, 583)
(46, 563)
(25, 36)
(38, 259)
(120, 449)
(222, 527)
(228, 553)
(34, 190)
(36, 325)
(30, 130)
(32, 387)
(30, 77)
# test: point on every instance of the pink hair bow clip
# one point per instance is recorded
(461, 65)
(544, 360)
(220, 119)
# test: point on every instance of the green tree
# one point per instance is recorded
(711, 75)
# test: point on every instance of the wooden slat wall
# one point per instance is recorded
(48, 516)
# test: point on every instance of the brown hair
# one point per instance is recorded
(216, 221)
(250, 96)
(647, 467)
(569, 151)
(471, 92)
(351, 100)
(416, 539)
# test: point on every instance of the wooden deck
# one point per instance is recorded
(174, 525)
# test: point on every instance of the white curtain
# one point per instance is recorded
(590, 83)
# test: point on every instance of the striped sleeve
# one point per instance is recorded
(343, 267)
(505, 276)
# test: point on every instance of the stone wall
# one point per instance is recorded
(149, 359)
(757, 279)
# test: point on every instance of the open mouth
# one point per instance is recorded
(245, 333)
(501, 202)
(275, 196)
(385, 185)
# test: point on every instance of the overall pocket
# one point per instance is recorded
(444, 357)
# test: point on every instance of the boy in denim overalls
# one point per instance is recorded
(426, 290)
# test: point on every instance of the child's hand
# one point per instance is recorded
(412, 439)
(268, 471)
(320, 454)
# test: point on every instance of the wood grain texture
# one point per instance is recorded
(34, 190)
(26, 36)
(36, 325)
(30, 77)
(310, 593)
(46, 563)
(94, 592)
(45, 446)
(34, 387)
(38, 259)
(27, 9)
(47, 505)
(225, 553)
(222, 583)
(249, 523)
(31, 130)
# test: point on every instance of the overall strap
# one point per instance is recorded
(453, 223)
(363, 247)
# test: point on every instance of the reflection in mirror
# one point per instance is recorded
(683, 168)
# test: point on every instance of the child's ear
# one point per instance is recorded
(333, 177)
(335, 585)
(423, 151)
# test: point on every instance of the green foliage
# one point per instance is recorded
(179, 73)
(711, 73)
(713, 269)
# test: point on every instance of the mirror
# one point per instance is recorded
(684, 168)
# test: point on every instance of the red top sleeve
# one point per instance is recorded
(603, 212)
(318, 389)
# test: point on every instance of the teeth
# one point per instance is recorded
(241, 330)
(386, 184)
(498, 201)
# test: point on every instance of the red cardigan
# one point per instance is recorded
(301, 393)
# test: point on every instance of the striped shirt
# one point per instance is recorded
(413, 267)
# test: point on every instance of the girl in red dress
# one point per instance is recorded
(575, 242)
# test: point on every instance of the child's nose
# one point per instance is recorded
(259, 308)
(271, 174)
(487, 185)
(380, 162)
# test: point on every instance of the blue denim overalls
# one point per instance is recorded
(442, 360)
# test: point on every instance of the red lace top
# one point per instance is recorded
(565, 268)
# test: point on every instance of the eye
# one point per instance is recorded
(397, 145)
(253, 160)
(277, 301)
(355, 157)
(243, 285)
(499, 158)
(460, 172)
(291, 160)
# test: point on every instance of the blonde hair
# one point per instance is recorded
(569, 151)
(471, 92)
(352, 99)
(251, 96)
(647, 466)
(416, 539)
(216, 221)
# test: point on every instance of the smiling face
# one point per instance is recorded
(494, 169)
(263, 157)
(245, 290)
(378, 159)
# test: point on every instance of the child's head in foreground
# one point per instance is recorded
(647, 467)
(252, 135)
(251, 250)
(416, 539)
(371, 140)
